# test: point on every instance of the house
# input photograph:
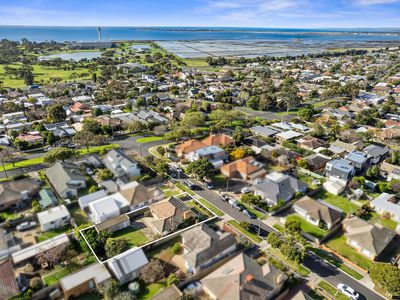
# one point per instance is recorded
(66, 179)
(341, 148)
(31, 138)
(316, 162)
(85, 200)
(278, 186)
(243, 278)
(204, 246)
(126, 266)
(106, 208)
(369, 240)
(339, 169)
(334, 186)
(213, 154)
(17, 193)
(85, 280)
(169, 214)
(317, 212)
(7, 244)
(376, 153)
(47, 198)
(121, 165)
(137, 195)
(32, 251)
(113, 224)
(8, 284)
(54, 218)
(60, 130)
(218, 140)
(246, 168)
(357, 159)
(187, 147)
(387, 204)
(310, 143)
(287, 136)
(169, 293)
(263, 131)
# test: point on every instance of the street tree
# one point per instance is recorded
(59, 153)
(56, 113)
(201, 168)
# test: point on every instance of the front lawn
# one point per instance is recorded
(52, 233)
(149, 139)
(254, 211)
(252, 236)
(56, 275)
(331, 290)
(185, 188)
(344, 204)
(388, 223)
(338, 244)
(308, 227)
(134, 236)
(302, 270)
(97, 149)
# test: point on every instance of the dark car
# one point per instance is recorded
(255, 229)
(225, 197)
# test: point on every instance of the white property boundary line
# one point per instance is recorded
(214, 216)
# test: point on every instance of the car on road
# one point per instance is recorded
(348, 291)
(47, 149)
(209, 185)
(245, 190)
(26, 225)
(225, 197)
(234, 204)
(189, 184)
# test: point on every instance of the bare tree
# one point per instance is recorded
(51, 256)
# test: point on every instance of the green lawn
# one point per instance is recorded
(308, 227)
(200, 208)
(195, 62)
(133, 236)
(149, 139)
(337, 263)
(344, 204)
(388, 223)
(211, 207)
(56, 275)
(314, 295)
(254, 211)
(307, 179)
(9, 215)
(331, 290)
(254, 237)
(185, 188)
(278, 227)
(338, 244)
(90, 296)
(96, 149)
(150, 290)
(52, 233)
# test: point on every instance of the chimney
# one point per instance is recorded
(249, 278)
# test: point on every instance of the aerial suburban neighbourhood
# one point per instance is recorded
(165, 170)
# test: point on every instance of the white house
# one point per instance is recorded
(126, 266)
(54, 218)
(121, 165)
(107, 207)
(386, 204)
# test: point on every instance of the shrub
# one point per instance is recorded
(176, 248)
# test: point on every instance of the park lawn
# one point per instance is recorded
(337, 263)
(388, 223)
(338, 244)
(252, 236)
(331, 290)
(149, 139)
(150, 290)
(308, 227)
(133, 236)
(344, 204)
(211, 207)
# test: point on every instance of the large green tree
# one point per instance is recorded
(56, 113)
(59, 153)
(386, 277)
(201, 168)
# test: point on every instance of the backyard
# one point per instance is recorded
(308, 227)
(133, 236)
(344, 204)
(338, 244)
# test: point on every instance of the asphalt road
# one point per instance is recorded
(316, 264)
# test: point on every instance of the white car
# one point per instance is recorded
(245, 190)
(26, 225)
(348, 291)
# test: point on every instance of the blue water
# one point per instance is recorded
(195, 33)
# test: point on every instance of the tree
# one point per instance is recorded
(201, 168)
(125, 295)
(238, 153)
(109, 289)
(292, 227)
(86, 138)
(51, 256)
(306, 114)
(56, 113)
(160, 150)
(59, 153)
(116, 246)
(302, 163)
(274, 240)
(251, 199)
(292, 252)
(238, 135)
(136, 126)
(386, 277)
(245, 225)
(161, 167)
(172, 279)
(153, 271)
(176, 248)
(93, 189)
(6, 154)
(193, 119)
(104, 174)
(373, 172)
(318, 130)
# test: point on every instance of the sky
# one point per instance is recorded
(218, 13)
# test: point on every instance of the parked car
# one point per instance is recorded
(245, 190)
(235, 205)
(48, 149)
(209, 185)
(189, 184)
(89, 171)
(348, 291)
(26, 225)
(248, 214)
